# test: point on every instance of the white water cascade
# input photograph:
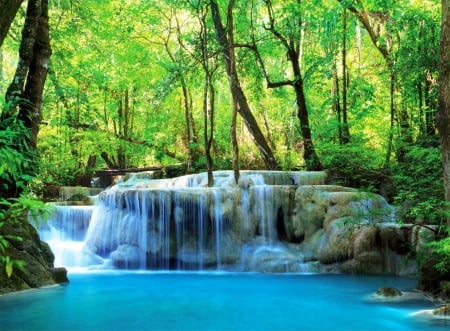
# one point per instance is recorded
(175, 223)
(270, 221)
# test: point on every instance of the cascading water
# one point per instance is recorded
(270, 221)
(65, 231)
(169, 224)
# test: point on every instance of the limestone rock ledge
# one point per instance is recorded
(38, 270)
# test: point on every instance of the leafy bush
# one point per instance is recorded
(419, 186)
(353, 165)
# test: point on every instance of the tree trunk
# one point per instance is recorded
(233, 86)
(24, 94)
(309, 153)
(27, 86)
(1, 71)
(335, 95)
(208, 95)
(443, 116)
(31, 111)
(293, 49)
(345, 137)
(14, 93)
(243, 106)
(430, 112)
(391, 126)
(9, 9)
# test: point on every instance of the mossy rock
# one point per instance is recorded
(34, 254)
(389, 291)
(60, 275)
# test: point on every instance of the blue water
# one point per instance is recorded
(203, 301)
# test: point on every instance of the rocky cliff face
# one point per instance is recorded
(38, 259)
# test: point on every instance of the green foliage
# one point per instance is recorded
(16, 158)
(441, 248)
(419, 186)
(15, 174)
(354, 164)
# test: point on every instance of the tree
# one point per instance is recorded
(24, 94)
(209, 66)
(344, 131)
(290, 40)
(374, 22)
(27, 86)
(9, 9)
(240, 100)
(179, 69)
(443, 116)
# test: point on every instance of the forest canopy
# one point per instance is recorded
(345, 86)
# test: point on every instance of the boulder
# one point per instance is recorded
(336, 244)
(389, 291)
(37, 258)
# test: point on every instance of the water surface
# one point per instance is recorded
(213, 301)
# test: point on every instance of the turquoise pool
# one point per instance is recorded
(213, 301)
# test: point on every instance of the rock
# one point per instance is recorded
(312, 204)
(389, 291)
(370, 262)
(274, 259)
(365, 263)
(364, 239)
(336, 245)
(60, 275)
(36, 256)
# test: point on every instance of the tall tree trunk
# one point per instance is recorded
(242, 103)
(391, 125)
(31, 111)
(384, 47)
(443, 116)
(345, 138)
(309, 153)
(14, 93)
(233, 85)
(8, 10)
(208, 94)
(27, 86)
(1, 70)
(430, 110)
(335, 95)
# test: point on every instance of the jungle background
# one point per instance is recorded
(350, 87)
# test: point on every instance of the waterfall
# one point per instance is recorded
(65, 231)
(264, 203)
(218, 225)
(190, 218)
(181, 223)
